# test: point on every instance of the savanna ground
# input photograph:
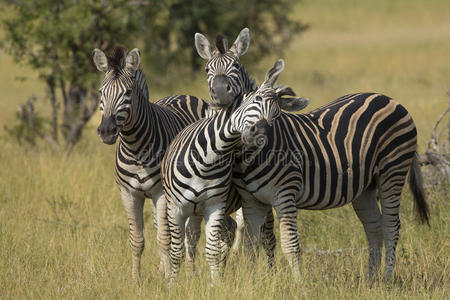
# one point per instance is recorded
(64, 234)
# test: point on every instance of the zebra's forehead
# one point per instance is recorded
(266, 93)
(220, 60)
(118, 79)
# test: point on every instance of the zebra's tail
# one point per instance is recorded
(416, 186)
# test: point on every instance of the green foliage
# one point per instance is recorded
(171, 25)
(57, 37)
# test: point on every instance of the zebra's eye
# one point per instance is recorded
(259, 98)
(236, 65)
(207, 70)
(128, 93)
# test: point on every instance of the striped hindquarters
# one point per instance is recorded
(349, 142)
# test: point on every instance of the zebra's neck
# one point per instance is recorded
(223, 135)
(136, 134)
(248, 81)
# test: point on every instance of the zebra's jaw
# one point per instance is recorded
(109, 140)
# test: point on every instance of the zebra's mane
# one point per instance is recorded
(116, 59)
(221, 43)
(251, 84)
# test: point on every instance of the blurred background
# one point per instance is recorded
(331, 48)
(62, 224)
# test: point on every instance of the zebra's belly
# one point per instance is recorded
(199, 190)
(327, 195)
(269, 192)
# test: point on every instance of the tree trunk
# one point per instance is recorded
(78, 109)
(53, 104)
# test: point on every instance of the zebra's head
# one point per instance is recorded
(227, 78)
(117, 90)
(260, 108)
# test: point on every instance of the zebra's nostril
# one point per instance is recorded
(228, 88)
(253, 129)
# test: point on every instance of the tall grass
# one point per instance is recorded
(63, 231)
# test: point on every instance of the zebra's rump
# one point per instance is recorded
(354, 139)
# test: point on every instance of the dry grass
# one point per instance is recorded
(63, 232)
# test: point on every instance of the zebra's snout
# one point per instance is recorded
(221, 91)
(256, 134)
(108, 131)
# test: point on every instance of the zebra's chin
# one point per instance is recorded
(109, 139)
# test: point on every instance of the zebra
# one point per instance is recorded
(228, 80)
(145, 131)
(343, 152)
(196, 172)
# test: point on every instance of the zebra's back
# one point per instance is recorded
(189, 108)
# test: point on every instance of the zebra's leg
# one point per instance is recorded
(214, 228)
(287, 216)
(227, 237)
(177, 222)
(134, 206)
(269, 240)
(254, 216)
(390, 221)
(155, 215)
(193, 231)
(367, 210)
(239, 229)
(162, 234)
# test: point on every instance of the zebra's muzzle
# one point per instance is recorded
(108, 131)
(221, 91)
(255, 135)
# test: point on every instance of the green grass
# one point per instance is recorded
(63, 231)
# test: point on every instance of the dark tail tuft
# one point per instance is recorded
(416, 186)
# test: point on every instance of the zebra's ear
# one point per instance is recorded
(273, 73)
(203, 46)
(284, 90)
(133, 61)
(240, 45)
(100, 60)
(293, 104)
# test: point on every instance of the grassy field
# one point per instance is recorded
(64, 234)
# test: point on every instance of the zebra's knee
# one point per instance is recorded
(137, 245)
